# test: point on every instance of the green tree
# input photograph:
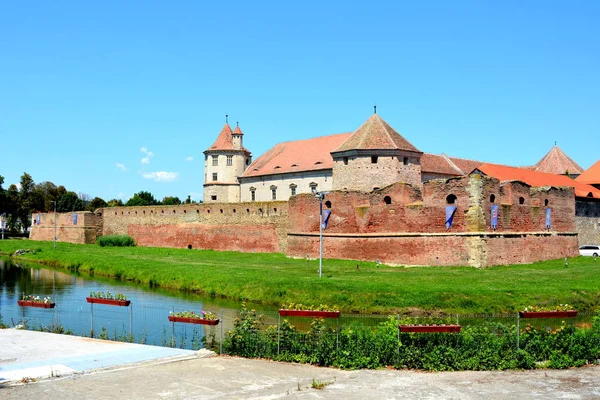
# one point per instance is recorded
(96, 203)
(47, 192)
(12, 204)
(115, 203)
(171, 201)
(142, 199)
(69, 202)
(3, 200)
(27, 200)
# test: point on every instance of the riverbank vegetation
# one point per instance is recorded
(488, 346)
(351, 286)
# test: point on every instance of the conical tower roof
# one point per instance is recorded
(591, 176)
(224, 140)
(237, 130)
(557, 162)
(376, 134)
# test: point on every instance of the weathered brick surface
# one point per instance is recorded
(587, 221)
(232, 226)
(238, 237)
(397, 224)
(527, 248)
(82, 232)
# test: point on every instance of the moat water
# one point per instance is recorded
(144, 321)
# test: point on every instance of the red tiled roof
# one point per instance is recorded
(535, 178)
(557, 162)
(225, 140)
(591, 176)
(438, 164)
(465, 165)
(300, 155)
(376, 134)
(237, 130)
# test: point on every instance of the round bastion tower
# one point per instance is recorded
(224, 162)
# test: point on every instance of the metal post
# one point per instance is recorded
(518, 329)
(3, 218)
(320, 234)
(278, 330)
(92, 317)
(221, 341)
(131, 321)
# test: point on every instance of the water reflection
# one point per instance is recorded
(145, 320)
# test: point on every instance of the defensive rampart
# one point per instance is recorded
(75, 227)
(399, 224)
(260, 227)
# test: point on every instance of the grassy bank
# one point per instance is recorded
(351, 285)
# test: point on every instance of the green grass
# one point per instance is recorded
(275, 279)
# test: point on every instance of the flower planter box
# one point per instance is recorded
(309, 313)
(429, 328)
(111, 302)
(39, 304)
(200, 321)
(548, 314)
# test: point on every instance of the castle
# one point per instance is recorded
(386, 201)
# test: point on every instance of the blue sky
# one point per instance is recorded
(114, 97)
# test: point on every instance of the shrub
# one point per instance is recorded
(115, 241)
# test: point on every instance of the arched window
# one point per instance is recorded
(521, 200)
(387, 200)
(328, 204)
(492, 198)
(451, 199)
(405, 161)
(546, 202)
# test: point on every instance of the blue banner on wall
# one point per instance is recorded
(326, 214)
(548, 218)
(37, 219)
(450, 211)
(494, 216)
(74, 219)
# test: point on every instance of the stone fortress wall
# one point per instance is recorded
(399, 224)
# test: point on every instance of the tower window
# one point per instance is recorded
(451, 199)
(293, 189)
(492, 198)
(214, 176)
(215, 161)
(387, 200)
(521, 200)
(213, 198)
(229, 160)
(373, 159)
(253, 193)
(405, 161)
(345, 160)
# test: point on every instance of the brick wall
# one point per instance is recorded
(402, 225)
(258, 226)
(587, 221)
(84, 231)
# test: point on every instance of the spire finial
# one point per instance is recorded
(375, 109)
(226, 118)
(555, 142)
(237, 123)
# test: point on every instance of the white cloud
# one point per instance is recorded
(148, 153)
(190, 158)
(121, 195)
(122, 167)
(161, 176)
